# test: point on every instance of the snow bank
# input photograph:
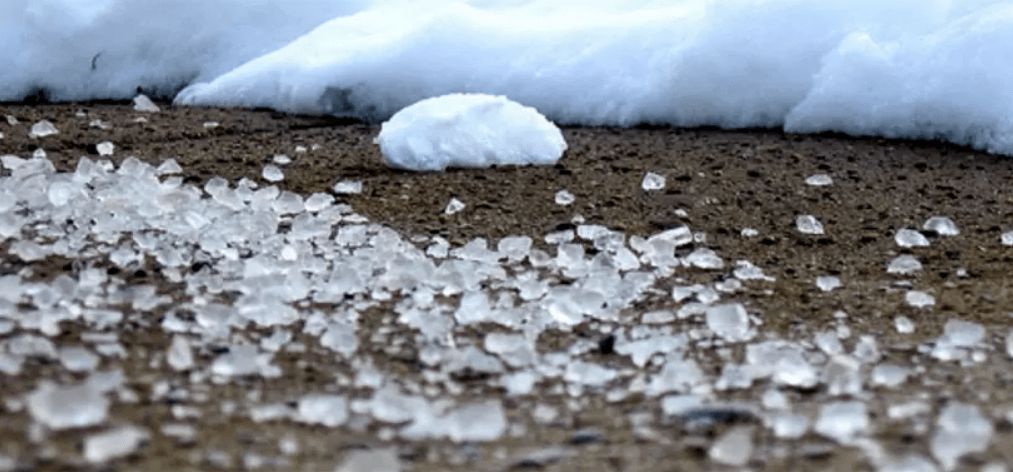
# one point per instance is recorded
(468, 130)
(100, 49)
(900, 68)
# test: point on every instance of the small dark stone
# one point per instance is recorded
(586, 436)
(607, 345)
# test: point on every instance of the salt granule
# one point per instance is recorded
(652, 182)
(453, 206)
(730, 322)
(919, 299)
(324, 409)
(704, 258)
(734, 447)
(377, 460)
(907, 238)
(42, 129)
(272, 173)
(113, 444)
(819, 180)
(903, 325)
(941, 225)
(348, 187)
(105, 148)
(960, 429)
(808, 224)
(564, 197)
(144, 104)
(827, 283)
(904, 264)
(843, 421)
(63, 407)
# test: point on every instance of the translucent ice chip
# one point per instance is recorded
(211, 124)
(324, 409)
(903, 325)
(962, 333)
(11, 120)
(819, 180)
(941, 225)
(180, 354)
(105, 148)
(272, 173)
(960, 429)
(734, 447)
(910, 238)
(476, 422)
(1009, 343)
(827, 283)
(908, 463)
(42, 129)
(514, 248)
(889, 375)
(453, 206)
(919, 299)
(843, 421)
(652, 182)
(60, 193)
(749, 233)
(705, 258)
(99, 124)
(745, 270)
(144, 104)
(730, 322)
(904, 264)
(376, 460)
(78, 359)
(564, 197)
(808, 224)
(788, 425)
(63, 407)
(590, 374)
(348, 187)
(170, 166)
(281, 159)
(1007, 238)
(113, 444)
(675, 405)
(318, 202)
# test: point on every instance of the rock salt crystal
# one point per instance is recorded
(941, 225)
(907, 238)
(113, 444)
(843, 421)
(919, 299)
(904, 264)
(63, 407)
(453, 206)
(960, 429)
(652, 182)
(734, 447)
(144, 104)
(808, 224)
(42, 129)
(564, 197)
(819, 180)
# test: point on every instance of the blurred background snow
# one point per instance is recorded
(934, 69)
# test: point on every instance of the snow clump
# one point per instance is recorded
(468, 130)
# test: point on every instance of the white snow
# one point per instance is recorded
(468, 130)
(932, 69)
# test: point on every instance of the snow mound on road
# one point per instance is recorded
(468, 130)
